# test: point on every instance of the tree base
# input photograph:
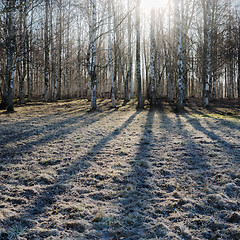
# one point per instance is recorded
(10, 109)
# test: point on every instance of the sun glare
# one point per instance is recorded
(149, 4)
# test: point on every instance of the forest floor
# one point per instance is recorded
(67, 173)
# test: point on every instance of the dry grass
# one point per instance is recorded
(66, 173)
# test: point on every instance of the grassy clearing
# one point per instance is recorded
(66, 173)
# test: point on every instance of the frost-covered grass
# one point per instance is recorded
(66, 173)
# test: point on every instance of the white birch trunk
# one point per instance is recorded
(53, 63)
(138, 57)
(129, 72)
(152, 60)
(46, 68)
(206, 58)
(180, 69)
(92, 57)
(59, 85)
(110, 59)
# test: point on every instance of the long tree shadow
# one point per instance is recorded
(57, 130)
(48, 196)
(193, 153)
(137, 186)
(223, 122)
(188, 156)
(23, 126)
(229, 148)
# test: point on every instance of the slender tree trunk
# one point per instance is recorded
(129, 71)
(92, 56)
(11, 52)
(79, 82)
(169, 60)
(110, 59)
(180, 69)
(53, 57)
(30, 58)
(59, 67)
(152, 59)
(238, 80)
(206, 60)
(68, 65)
(46, 70)
(21, 66)
(138, 57)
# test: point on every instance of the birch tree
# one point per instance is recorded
(180, 70)
(206, 56)
(21, 66)
(238, 79)
(46, 39)
(152, 59)
(138, 57)
(59, 67)
(10, 51)
(129, 70)
(92, 56)
(110, 58)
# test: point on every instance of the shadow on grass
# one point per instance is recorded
(48, 196)
(223, 122)
(57, 130)
(137, 187)
(228, 148)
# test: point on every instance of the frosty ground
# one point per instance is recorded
(67, 173)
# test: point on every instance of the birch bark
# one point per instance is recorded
(46, 36)
(129, 72)
(206, 55)
(110, 58)
(152, 59)
(180, 67)
(59, 70)
(92, 56)
(138, 57)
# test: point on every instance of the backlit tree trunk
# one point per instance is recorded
(138, 57)
(180, 69)
(59, 70)
(10, 51)
(92, 56)
(46, 68)
(206, 57)
(110, 58)
(152, 59)
(129, 71)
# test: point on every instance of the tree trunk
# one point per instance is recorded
(129, 71)
(92, 57)
(238, 80)
(206, 56)
(30, 58)
(59, 91)
(152, 60)
(180, 69)
(21, 66)
(138, 57)
(4, 96)
(11, 52)
(46, 70)
(110, 59)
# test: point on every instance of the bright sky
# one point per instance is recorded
(149, 4)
